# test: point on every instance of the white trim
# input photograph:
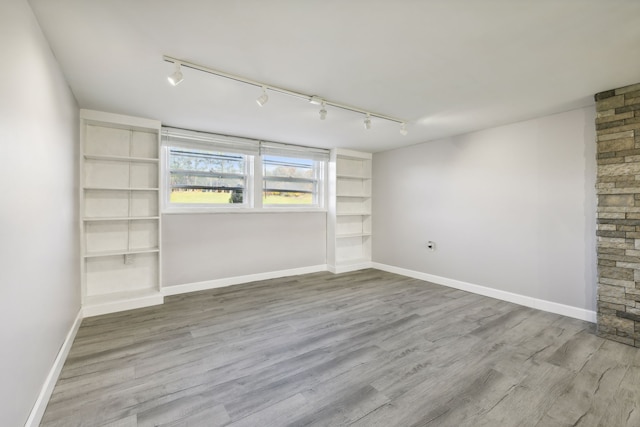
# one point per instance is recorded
(204, 210)
(106, 307)
(102, 117)
(47, 388)
(237, 280)
(550, 306)
(342, 152)
(337, 269)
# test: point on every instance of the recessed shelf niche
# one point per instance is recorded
(119, 202)
(349, 225)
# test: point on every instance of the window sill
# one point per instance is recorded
(183, 211)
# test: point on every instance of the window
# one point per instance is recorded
(211, 172)
(290, 181)
(203, 177)
(292, 176)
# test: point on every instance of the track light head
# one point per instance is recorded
(367, 121)
(403, 129)
(323, 112)
(262, 99)
(176, 78)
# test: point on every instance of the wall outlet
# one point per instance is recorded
(431, 245)
(128, 259)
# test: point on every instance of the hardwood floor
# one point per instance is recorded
(367, 348)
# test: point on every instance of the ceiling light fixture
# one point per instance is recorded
(262, 99)
(403, 129)
(176, 77)
(323, 112)
(367, 121)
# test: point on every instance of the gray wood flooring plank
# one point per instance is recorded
(529, 400)
(131, 421)
(178, 410)
(365, 348)
(215, 416)
(574, 353)
(278, 414)
(594, 387)
(343, 409)
(261, 395)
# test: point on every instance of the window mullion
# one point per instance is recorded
(257, 182)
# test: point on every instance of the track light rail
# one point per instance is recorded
(277, 89)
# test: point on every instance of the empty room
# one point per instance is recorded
(305, 213)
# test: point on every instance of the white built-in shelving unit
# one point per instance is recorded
(119, 210)
(349, 222)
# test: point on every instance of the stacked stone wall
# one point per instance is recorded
(618, 230)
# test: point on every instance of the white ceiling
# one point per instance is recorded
(447, 67)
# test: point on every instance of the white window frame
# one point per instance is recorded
(168, 206)
(253, 150)
(320, 157)
(319, 172)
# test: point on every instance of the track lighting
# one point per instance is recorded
(176, 77)
(367, 121)
(323, 112)
(262, 99)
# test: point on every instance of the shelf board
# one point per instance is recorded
(122, 218)
(352, 261)
(120, 189)
(347, 235)
(349, 176)
(120, 301)
(353, 214)
(119, 121)
(360, 196)
(342, 153)
(120, 252)
(121, 158)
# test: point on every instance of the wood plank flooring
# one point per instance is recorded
(366, 348)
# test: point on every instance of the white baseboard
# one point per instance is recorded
(47, 388)
(347, 268)
(237, 280)
(90, 310)
(552, 307)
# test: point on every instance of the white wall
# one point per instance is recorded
(39, 280)
(203, 247)
(510, 208)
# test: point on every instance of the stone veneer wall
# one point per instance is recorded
(618, 189)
